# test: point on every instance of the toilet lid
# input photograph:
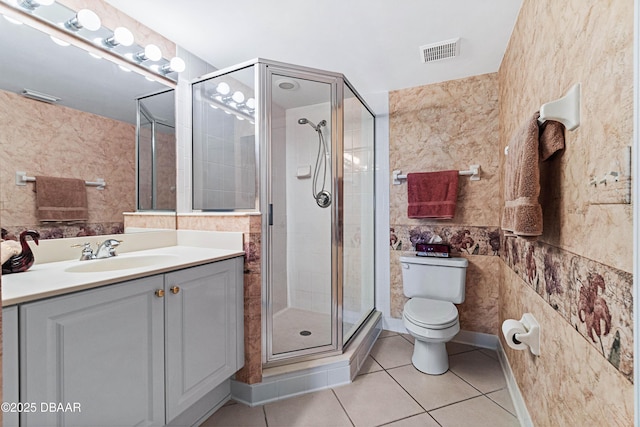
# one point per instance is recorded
(431, 313)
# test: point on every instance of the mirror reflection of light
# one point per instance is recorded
(59, 42)
(223, 88)
(93, 55)
(238, 97)
(352, 159)
(125, 69)
(13, 21)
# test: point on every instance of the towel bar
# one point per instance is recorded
(22, 179)
(473, 172)
(565, 110)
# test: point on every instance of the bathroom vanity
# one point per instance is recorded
(155, 345)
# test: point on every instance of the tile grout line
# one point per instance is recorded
(480, 391)
(343, 408)
(406, 391)
(449, 370)
(264, 414)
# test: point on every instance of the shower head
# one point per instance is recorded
(305, 121)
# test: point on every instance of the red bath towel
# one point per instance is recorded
(432, 194)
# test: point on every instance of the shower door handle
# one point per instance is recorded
(270, 213)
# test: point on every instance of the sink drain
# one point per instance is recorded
(305, 333)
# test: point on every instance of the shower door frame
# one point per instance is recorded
(266, 69)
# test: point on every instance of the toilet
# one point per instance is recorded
(434, 285)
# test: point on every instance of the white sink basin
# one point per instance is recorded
(118, 263)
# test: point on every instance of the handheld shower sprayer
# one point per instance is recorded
(322, 196)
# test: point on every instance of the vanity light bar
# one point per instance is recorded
(62, 33)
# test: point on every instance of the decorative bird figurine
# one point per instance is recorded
(24, 260)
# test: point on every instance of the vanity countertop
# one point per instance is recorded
(54, 278)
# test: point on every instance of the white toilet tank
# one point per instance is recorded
(436, 278)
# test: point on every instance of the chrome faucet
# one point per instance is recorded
(107, 249)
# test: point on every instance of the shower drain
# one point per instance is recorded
(305, 333)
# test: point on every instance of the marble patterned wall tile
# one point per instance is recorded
(59, 230)
(576, 279)
(590, 43)
(215, 222)
(250, 226)
(596, 299)
(72, 144)
(570, 383)
(449, 125)
(480, 245)
(464, 240)
(166, 222)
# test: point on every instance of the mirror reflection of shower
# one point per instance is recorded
(323, 161)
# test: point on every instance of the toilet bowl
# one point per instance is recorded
(432, 324)
(430, 316)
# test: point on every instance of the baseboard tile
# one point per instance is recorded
(477, 339)
(516, 397)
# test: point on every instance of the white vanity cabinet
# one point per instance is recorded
(102, 349)
(204, 331)
(10, 363)
(136, 353)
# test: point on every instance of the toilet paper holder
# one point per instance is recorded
(532, 336)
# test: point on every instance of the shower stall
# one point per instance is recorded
(296, 145)
(156, 152)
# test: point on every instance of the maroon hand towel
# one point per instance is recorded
(432, 194)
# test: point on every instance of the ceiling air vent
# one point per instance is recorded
(441, 50)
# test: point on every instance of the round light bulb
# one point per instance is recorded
(152, 52)
(251, 103)
(223, 88)
(88, 19)
(122, 36)
(177, 64)
(238, 97)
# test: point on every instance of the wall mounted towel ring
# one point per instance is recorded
(565, 110)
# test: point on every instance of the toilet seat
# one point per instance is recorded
(431, 314)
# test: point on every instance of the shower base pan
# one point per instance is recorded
(285, 381)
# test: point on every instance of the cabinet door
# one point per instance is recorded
(201, 324)
(10, 379)
(101, 349)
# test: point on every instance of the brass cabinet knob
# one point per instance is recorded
(175, 289)
(159, 293)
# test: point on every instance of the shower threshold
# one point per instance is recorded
(281, 382)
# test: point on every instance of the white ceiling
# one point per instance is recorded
(374, 43)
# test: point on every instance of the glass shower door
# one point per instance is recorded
(303, 300)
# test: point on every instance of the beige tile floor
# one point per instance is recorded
(390, 391)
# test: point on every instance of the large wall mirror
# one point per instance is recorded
(83, 126)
